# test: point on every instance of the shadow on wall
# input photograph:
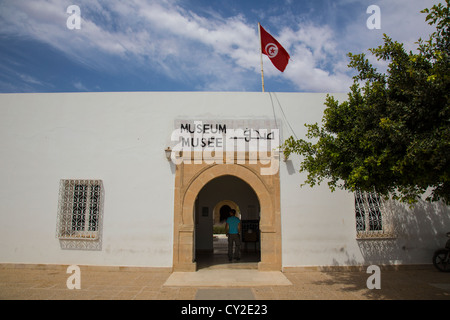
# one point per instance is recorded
(419, 232)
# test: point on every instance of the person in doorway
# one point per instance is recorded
(233, 230)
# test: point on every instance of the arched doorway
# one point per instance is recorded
(221, 211)
(211, 212)
(190, 180)
(223, 214)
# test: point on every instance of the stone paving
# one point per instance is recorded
(48, 282)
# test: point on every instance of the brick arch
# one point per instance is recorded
(184, 213)
(217, 171)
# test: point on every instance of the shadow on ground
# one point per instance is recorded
(418, 283)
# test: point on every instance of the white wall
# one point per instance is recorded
(318, 226)
(120, 138)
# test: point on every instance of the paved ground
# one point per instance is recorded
(49, 282)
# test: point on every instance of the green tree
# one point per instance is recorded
(393, 132)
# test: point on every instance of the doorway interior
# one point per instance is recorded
(212, 207)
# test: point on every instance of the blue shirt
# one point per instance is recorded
(233, 223)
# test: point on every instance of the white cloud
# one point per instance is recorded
(80, 86)
(316, 62)
(216, 52)
(401, 20)
(29, 79)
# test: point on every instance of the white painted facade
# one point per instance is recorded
(120, 138)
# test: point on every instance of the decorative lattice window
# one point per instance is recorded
(80, 213)
(372, 218)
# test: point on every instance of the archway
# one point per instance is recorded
(221, 211)
(189, 181)
(211, 212)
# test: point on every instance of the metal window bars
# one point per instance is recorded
(80, 214)
(373, 220)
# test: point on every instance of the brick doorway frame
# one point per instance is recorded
(191, 178)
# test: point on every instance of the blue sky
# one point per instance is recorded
(193, 45)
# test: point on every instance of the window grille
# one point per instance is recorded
(372, 218)
(80, 213)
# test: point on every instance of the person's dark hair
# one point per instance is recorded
(233, 211)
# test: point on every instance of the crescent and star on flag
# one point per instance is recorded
(272, 49)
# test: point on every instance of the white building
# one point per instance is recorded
(85, 180)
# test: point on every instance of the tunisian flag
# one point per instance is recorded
(274, 50)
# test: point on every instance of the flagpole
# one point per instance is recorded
(260, 51)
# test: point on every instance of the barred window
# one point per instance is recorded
(372, 220)
(80, 210)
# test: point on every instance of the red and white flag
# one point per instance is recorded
(274, 50)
